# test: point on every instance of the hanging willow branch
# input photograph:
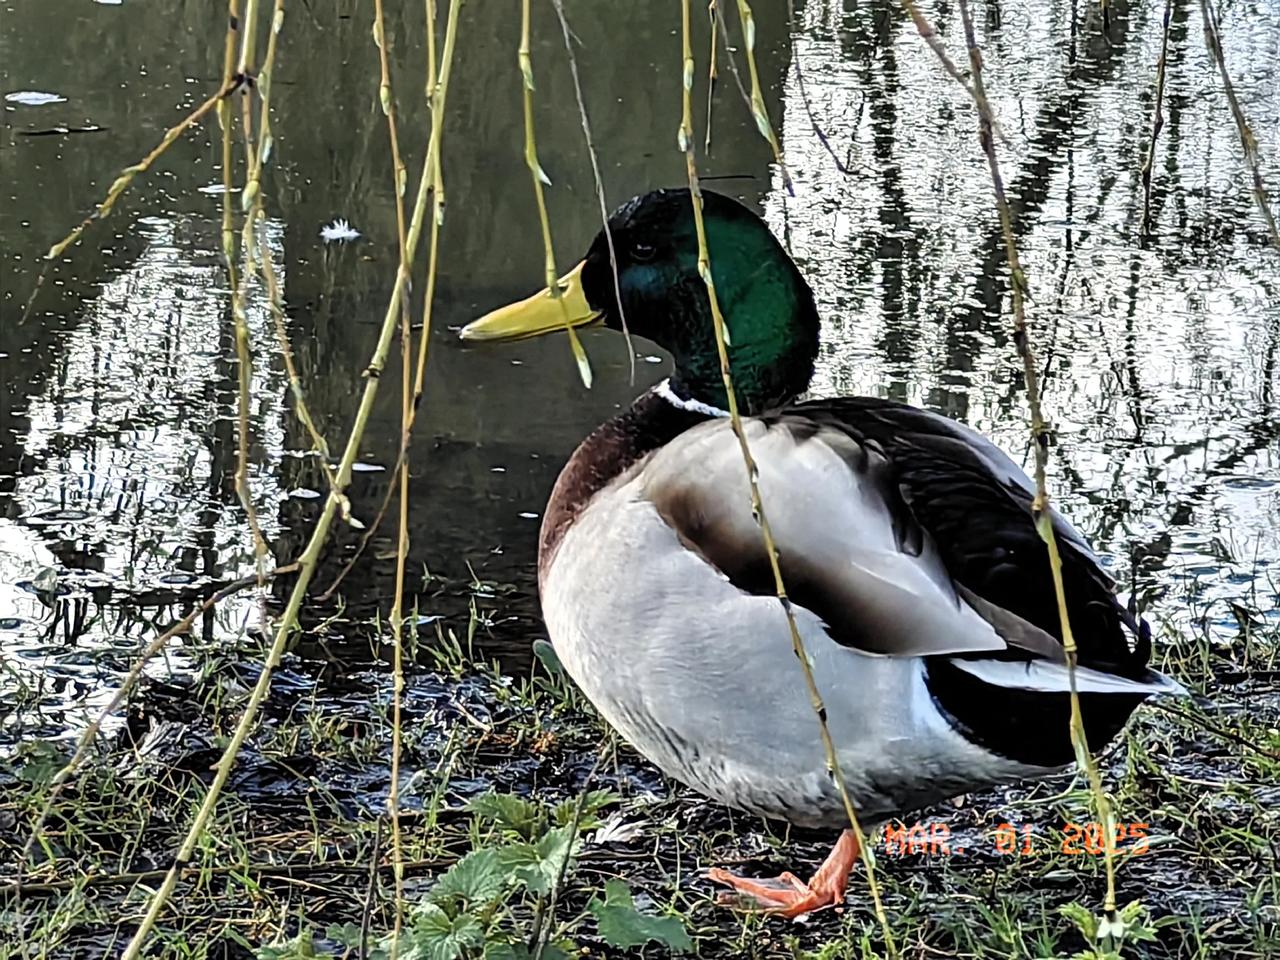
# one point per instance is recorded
(540, 179)
(386, 96)
(1040, 443)
(722, 337)
(758, 110)
(306, 570)
(929, 34)
(595, 173)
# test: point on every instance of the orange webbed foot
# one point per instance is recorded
(787, 895)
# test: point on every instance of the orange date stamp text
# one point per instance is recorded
(1010, 839)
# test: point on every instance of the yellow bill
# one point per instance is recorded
(538, 314)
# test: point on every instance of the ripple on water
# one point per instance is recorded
(58, 515)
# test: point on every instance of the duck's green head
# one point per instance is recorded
(767, 306)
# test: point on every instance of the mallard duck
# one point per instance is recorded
(917, 579)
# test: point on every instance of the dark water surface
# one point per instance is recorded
(118, 392)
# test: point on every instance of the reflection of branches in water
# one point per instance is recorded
(804, 93)
(899, 241)
(1248, 142)
(1157, 121)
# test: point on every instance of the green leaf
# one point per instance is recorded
(518, 951)
(538, 865)
(477, 878)
(546, 654)
(622, 925)
(509, 812)
(40, 761)
(436, 936)
(593, 801)
(301, 947)
(349, 935)
(1083, 919)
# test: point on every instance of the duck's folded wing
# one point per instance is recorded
(976, 505)
(850, 549)
(906, 533)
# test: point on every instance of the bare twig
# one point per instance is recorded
(804, 94)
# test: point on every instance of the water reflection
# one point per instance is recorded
(123, 500)
(1159, 361)
(116, 415)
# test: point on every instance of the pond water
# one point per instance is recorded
(118, 389)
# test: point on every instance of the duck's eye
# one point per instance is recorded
(643, 252)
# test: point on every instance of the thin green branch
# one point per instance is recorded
(275, 301)
(1040, 443)
(758, 111)
(251, 203)
(126, 177)
(595, 173)
(929, 34)
(713, 74)
(307, 563)
(438, 92)
(540, 178)
(685, 141)
(386, 97)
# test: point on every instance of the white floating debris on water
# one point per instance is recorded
(497, 469)
(529, 516)
(216, 188)
(650, 358)
(34, 98)
(340, 231)
(302, 493)
(361, 466)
